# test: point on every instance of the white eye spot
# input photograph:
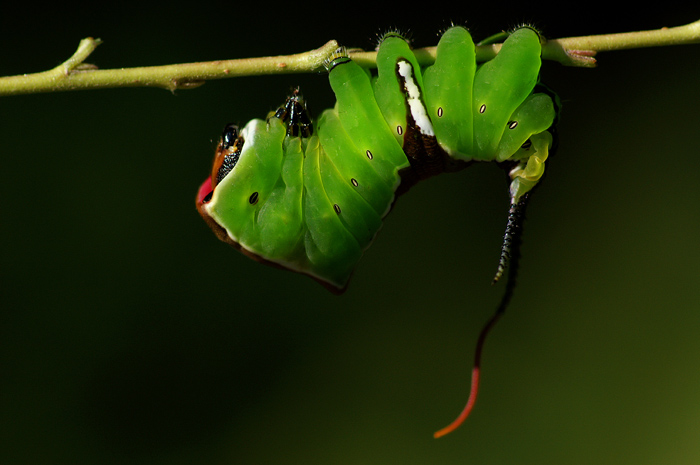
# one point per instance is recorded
(512, 124)
(399, 130)
(482, 108)
(336, 207)
(369, 155)
(439, 112)
(354, 182)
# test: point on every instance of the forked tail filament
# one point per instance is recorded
(511, 252)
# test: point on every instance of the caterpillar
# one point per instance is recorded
(310, 195)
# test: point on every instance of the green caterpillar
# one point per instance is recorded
(311, 196)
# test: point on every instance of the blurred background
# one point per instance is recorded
(130, 334)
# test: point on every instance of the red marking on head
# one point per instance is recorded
(204, 190)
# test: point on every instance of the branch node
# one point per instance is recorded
(75, 62)
(557, 51)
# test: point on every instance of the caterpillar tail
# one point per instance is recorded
(510, 253)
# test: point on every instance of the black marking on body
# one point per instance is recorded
(337, 62)
(295, 115)
(253, 199)
(232, 143)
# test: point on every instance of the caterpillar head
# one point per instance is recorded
(226, 155)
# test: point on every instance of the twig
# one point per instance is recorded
(75, 74)
(576, 51)
(573, 51)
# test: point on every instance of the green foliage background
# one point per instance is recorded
(129, 334)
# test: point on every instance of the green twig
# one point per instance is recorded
(577, 50)
(75, 74)
(574, 51)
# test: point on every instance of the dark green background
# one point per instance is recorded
(129, 334)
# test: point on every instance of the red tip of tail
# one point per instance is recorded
(467, 408)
